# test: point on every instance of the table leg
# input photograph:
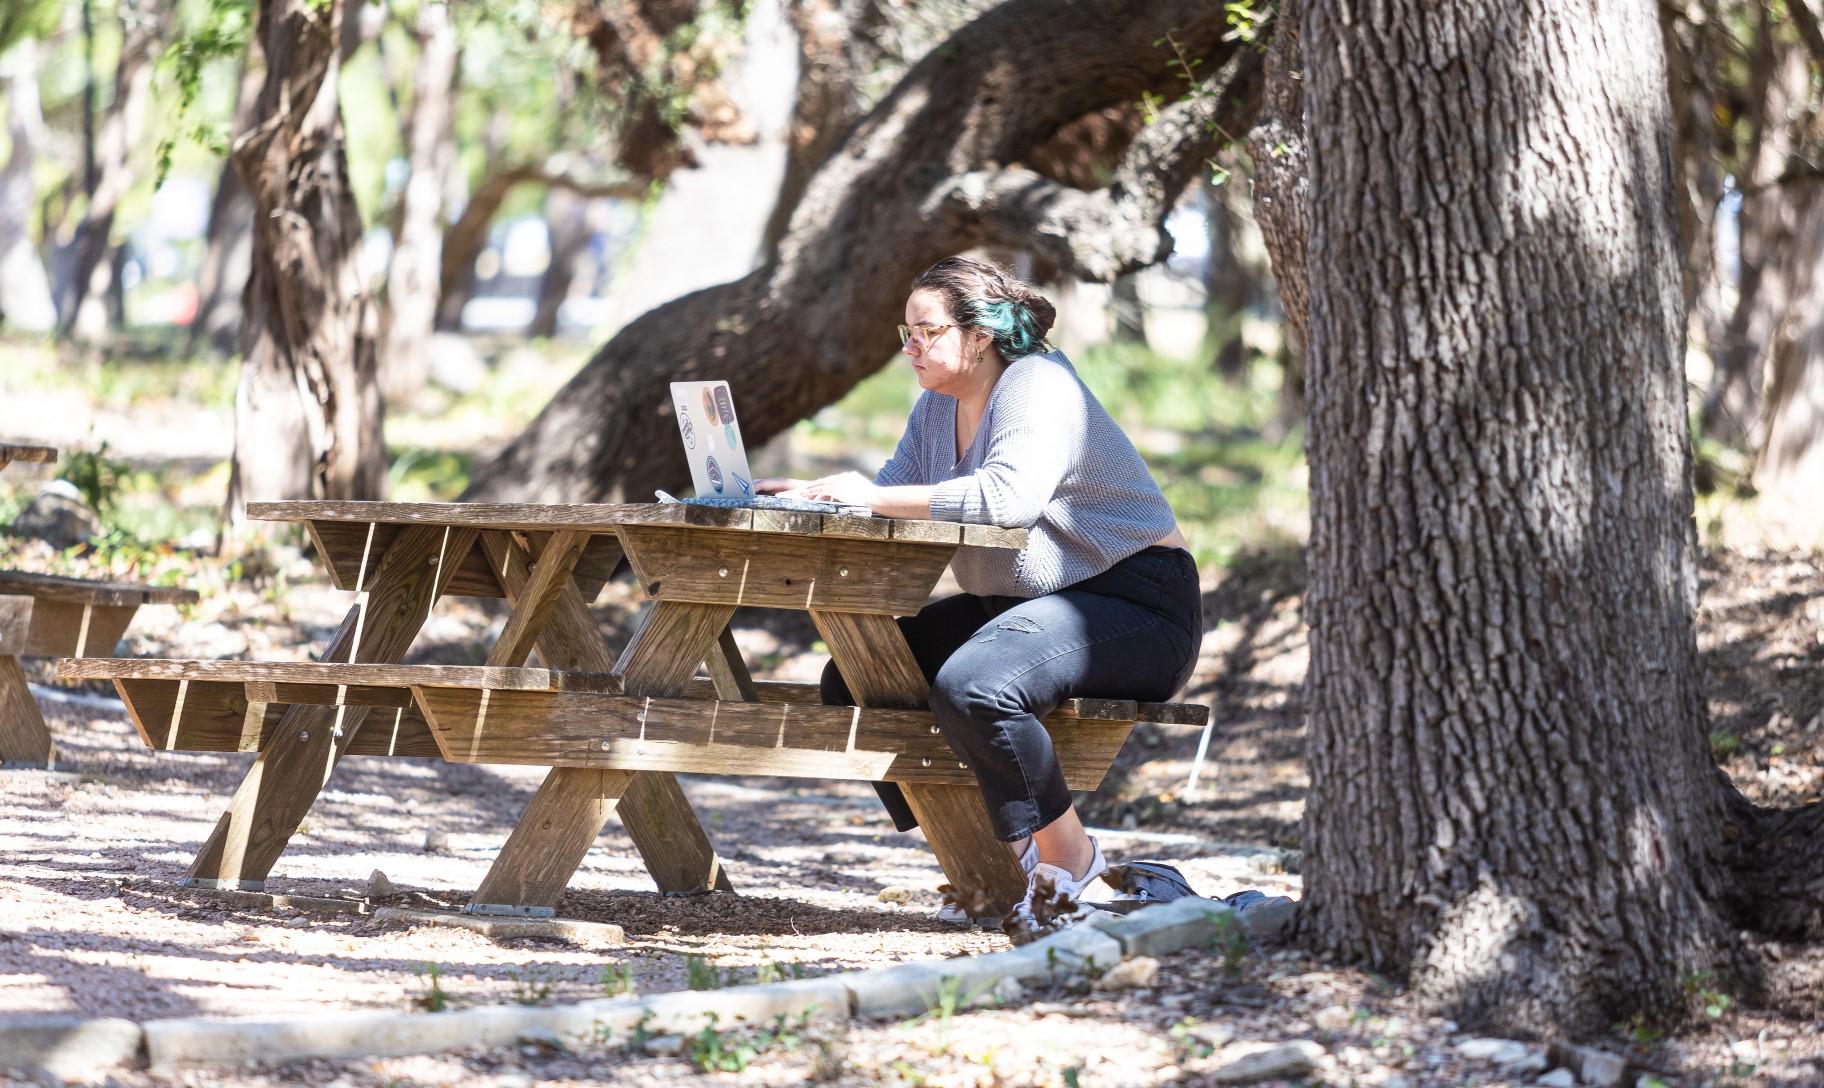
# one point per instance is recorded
(24, 738)
(572, 804)
(284, 781)
(880, 670)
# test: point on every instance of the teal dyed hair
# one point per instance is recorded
(983, 295)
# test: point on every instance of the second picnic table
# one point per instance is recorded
(613, 728)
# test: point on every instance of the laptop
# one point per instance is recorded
(718, 460)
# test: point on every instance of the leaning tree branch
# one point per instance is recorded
(1805, 21)
(1102, 234)
(806, 327)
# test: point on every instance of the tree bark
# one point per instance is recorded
(1511, 790)
(1228, 280)
(308, 410)
(1766, 226)
(87, 271)
(25, 289)
(921, 177)
(1789, 468)
(228, 242)
(412, 281)
(567, 223)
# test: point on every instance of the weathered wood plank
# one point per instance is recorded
(788, 521)
(535, 600)
(23, 735)
(880, 670)
(778, 570)
(536, 863)
(379, 675)
(672, 639)
(292, 767)
(345, 546)
(728, 670)
(576, 729)
(527, 517)
(993, 536)
(10, 451)
(213, 716)
(928, 532)
(69, 628)
(15, 621)
(858, 528)
(56, 587)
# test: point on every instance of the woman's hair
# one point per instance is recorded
(983, 295)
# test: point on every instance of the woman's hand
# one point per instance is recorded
(773, 485)
(848, 488)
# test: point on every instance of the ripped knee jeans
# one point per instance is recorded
(999, 664)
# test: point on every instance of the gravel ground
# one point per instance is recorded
(93, 924)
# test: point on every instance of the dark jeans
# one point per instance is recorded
(999, 664)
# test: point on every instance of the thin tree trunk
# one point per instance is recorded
(228, 243)
(567, 216)
(308, 411)
(413, 276)
(921, 177)
(1511, 790)
(1229, 284)
(143, 27)
(1128, 311)
(25, 289)
(1789, 469)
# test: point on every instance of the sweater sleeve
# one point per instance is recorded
(1035, 426)
(903, 466)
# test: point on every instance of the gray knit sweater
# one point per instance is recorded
(1047, 458)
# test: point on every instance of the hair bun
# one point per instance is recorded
(1044, 314)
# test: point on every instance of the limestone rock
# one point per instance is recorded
(1129, 974)
(58, 516)
(379, 887)
(895, 894)
(1287, 1060)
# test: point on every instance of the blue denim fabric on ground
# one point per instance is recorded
(999, 664)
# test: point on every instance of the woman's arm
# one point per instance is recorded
(1036, 426)
(912, 501)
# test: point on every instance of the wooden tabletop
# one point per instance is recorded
(41, 454)
(605, 517)
(57, 587)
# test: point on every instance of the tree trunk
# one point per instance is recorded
(25, 290)
(567, 219)
(1766, 226)
(412, 280)
(1127, 310)
(1511, 790)
(1229, 283)
(308, 411)
(88, 269)
(920, 178)
(228, 243)
(1789, 469)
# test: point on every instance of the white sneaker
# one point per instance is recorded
(954, 914)
(1054, 898)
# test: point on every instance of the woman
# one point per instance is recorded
(1103, 600)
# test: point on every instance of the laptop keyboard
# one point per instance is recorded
(781, 502)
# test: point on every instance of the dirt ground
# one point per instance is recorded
(93, 925)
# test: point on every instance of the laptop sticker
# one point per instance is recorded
(690, 430)
(715, 476)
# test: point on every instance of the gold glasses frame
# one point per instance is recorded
(927, 333)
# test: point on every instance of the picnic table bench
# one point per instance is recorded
(613, 728)
(43, 615)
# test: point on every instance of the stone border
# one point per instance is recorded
(70, 1047)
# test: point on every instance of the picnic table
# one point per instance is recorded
(10, 452)
(613, 727)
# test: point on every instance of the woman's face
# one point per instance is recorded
(949, 361)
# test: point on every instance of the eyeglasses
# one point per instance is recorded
(925, 333)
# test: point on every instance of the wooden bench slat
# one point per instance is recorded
(213, 716)
(332, 674)
(56, 587)
(321, 674)
(624, 732)
(12, 451)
